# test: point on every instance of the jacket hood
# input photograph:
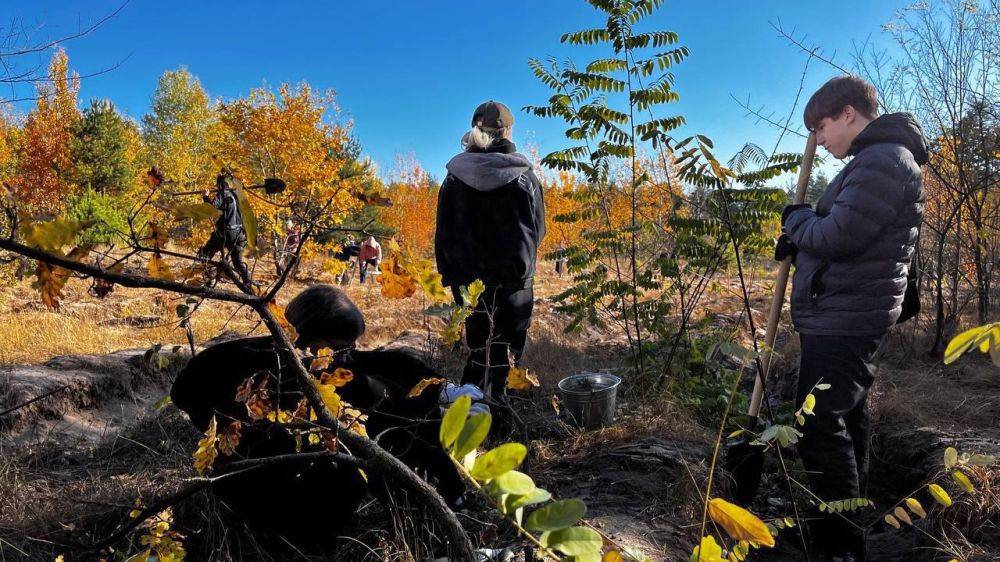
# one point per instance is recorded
(899, 128)
(486, 171)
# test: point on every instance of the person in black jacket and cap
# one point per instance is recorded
(490, 222)
(309, 502)
(852, 254)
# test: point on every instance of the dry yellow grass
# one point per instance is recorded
(138, 318)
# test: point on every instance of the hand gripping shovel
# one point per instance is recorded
(745, 462)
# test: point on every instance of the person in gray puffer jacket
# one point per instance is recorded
(490, 222)
(852, 255)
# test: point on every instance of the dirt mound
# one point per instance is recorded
(85, 396)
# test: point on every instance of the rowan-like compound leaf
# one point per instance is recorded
(204, 455)
(707, 551)
(557, 515)
(574, 541)
(421, 386)
(473, 433)
(454, 420)
(495, 462)
(739, 523)
(521, 379)
(939, 495)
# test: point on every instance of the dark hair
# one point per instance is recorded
(324, 311)
(838, 93)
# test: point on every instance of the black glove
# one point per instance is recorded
(789, 209)
(784, 248)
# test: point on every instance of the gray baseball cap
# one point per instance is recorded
(492, 114)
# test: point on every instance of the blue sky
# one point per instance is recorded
(409, 73)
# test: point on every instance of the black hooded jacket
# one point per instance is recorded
(856, 247)
(490, 219)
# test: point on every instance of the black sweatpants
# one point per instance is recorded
(834, 445)
(501, 318)
(231, 244)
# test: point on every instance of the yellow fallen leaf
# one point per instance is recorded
(612, 556)
(739, 523)
(521, 379)
(421, 386)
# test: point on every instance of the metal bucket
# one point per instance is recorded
(589, 398)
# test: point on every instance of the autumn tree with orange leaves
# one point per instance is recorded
(413, 214)
(292, 134)
(44, 161)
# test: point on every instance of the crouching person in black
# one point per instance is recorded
(309, 502)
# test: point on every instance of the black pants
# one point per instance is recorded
(231, 244)
(498, 324)
(834, 445)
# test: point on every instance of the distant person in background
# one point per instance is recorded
(490, 221)
(562, 262)
(229, 235)
(369, 256)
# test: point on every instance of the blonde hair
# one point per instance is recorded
(481, 137)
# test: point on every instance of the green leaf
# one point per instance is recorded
(454, 421)
(498, 461)
(536, 496)
(473, 434)
(950, 457)
(557, 515)
(982, 460)
(514, 482)
(575, 541)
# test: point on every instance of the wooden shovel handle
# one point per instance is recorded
(780, 284)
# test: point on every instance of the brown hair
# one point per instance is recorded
(838, 93)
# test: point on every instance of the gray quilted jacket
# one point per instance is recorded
(854, 249)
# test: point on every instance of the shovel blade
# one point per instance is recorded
(745, 463)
